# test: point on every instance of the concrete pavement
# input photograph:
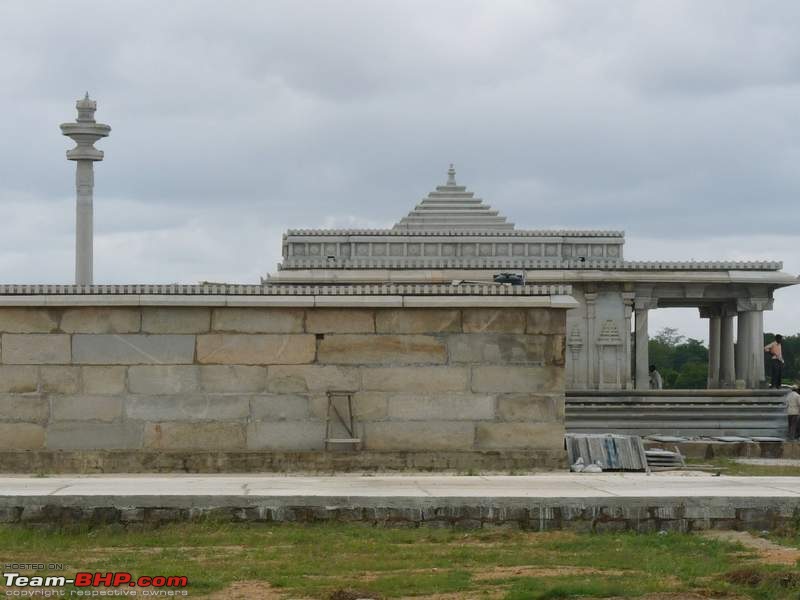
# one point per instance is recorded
(682, 501)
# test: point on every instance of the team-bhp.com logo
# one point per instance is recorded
(158, 585)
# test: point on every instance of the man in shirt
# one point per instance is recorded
(775, 350)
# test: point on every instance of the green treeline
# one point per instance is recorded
(683, 362)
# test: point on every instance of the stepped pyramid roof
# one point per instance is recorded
(451, 207)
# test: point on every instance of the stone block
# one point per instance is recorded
(286, 435)
(35, 349)
(504, 348)
(536, 436)
(163, 379)
(59, 379)
(258, 320)
(194, 407)
(266, 349)
(101, 320)
(103, 380)
(381, 349)
(422, 435)
(493, 320)
(311, 378)
(87, 408)
(441, 406)
(18, 379)
(547, 320)
(278, 407)
(175, 319)
(194, 436)
(132, 349)
(367, 406)
(28, 320)
(531, 407)
(502, 379)
(333, 320)
(85, 435)
(416, 379)
(29, 408)
(233, 378)
(21, 436)
(417, 320)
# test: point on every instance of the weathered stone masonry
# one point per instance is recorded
(446, 377)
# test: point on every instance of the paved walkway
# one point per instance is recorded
(545, 486)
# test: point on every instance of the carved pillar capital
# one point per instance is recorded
(751, 304)
(707, 312)
(644, 303)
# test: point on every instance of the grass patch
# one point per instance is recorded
(314, 561)
(728, 466)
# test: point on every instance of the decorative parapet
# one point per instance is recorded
(488, 263)
(225, 289)
(412, 245)
(452, 232)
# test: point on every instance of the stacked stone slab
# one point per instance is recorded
(185, 373)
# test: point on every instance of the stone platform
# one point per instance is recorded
(582, 502)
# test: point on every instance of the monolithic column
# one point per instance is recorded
(84, 132)
(627, 299)
(741, 345)
(751, 340)
(712, 313)
(591, 340)
(727, 374)
(641, 306)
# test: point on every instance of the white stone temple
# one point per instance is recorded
(451, 235)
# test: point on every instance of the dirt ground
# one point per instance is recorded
(768, 552)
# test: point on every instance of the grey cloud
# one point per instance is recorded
(232, 122)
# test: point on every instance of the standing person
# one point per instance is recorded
(793, 412)
(656, 381)
(775, 350)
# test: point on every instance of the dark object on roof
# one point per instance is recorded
(512, 278)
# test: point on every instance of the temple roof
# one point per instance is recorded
(451, 207)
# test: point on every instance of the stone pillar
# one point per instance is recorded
(627, 299)
(591, 339)
(84, 223)
(751, 340)
(84, 132)
(714, 327)
(741, 345)
(641, 306)
(727, 374)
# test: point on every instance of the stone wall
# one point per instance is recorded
(225, 379)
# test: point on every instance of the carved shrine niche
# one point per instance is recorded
(610, 356)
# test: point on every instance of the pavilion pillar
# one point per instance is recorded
(591, 347)
(641, 308)
(750, 353)
(727, 373)
(627, 299)
(714, 329)
(742, 343)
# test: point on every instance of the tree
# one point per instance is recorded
(682, 362)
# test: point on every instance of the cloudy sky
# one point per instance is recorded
(233, 121)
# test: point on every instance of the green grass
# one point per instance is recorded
(313, 561)
(729, 467)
